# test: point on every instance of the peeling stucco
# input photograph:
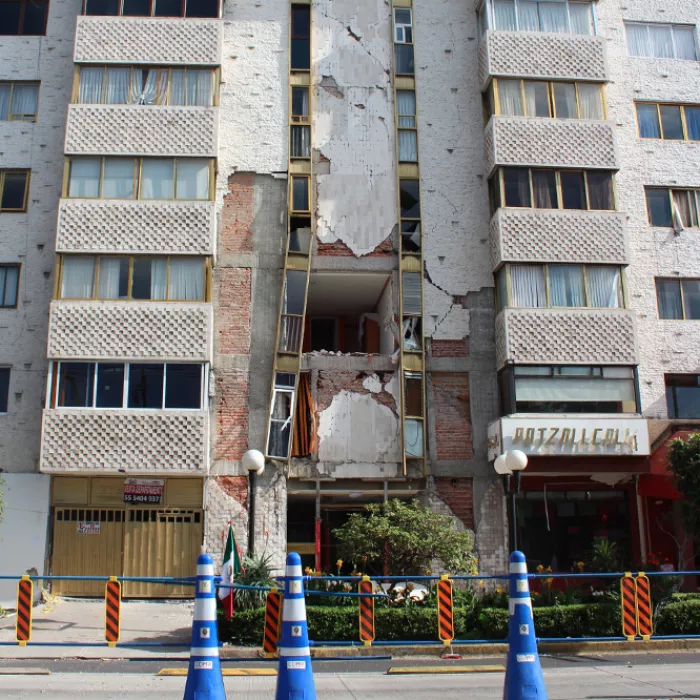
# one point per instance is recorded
(445, 319)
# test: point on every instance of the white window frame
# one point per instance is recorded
(491, 24)
(671, 26)
(289, 421)
(400, 27)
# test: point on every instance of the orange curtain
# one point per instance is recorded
(304, 439)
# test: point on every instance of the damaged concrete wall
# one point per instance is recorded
(353, 123)
(386, 308)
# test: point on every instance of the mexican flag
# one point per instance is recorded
(230, 567)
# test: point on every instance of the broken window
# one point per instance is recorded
(301, 37)
(291, 322)
(278, 440)
(403, 41)
(409, 198)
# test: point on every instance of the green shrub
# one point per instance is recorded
(679, 617)
(578, 621)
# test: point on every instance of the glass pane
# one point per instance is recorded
(668, 297)
(413, 393)
(565, 101)
(300, 141)
(528, 17)
(406, 107)
(110, 385)
(408, 146)
(294, 292)
(581, 18)
(278, 444)
(544, 188)
(14, 192)
(600, 191)
(114, 278)
(527, 286)
(183, 386)
(566, 285)
(24, 101)
(659, 207)
(403, 54)
(35, 17)
(145, 386)
(638, 41)
(300, 193)
(536, 99)
(504, 15)
(200, 88)
(118, 179)
(300, 102)
(687, 401)
(661, 40)
(9, 18)
(101, 7)
(4, 388)
(301, 46)
(516, 187)
(501, 290)
(411, 293)
(590, 101)
(192, 179)
(684, 203)
(692, 122)
(553, 17)
(409, 198)
(5, 91)
(413, 437)
(75, 385)
(186, 279)
(573, 193)
(648, 120)
(671, 122)
(202, 8)
(84, 177)
(9, 281)
(510, 97)
(118, 86)
(90, 86)
(691, 298)
(136, 8)
(78, 277)
(684, 40)
(157, 178)
(410, 236)
(168, 8)
(149, 278)
(604, 286)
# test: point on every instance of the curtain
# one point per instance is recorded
(661, 40)
(504, 15)
(648, 120)
(577, 389)
(668, 295)
(24, 100)
(157, 178)
(565, 100)
(84, 177)
(408, 146)
(527, 286)
(301, 141)
(405, 104)
(536, 99)
(152, 90)
(304, 442)
(684, 38)
(5, 102)
(638, 40)
(117, 86)
(528, 18)
(684, 201)
(553, 17)
(192, 179)
(581, 14)
(90, 88)
(566, 285)
(159, 278)
(692, 122)
(600, 192)
(199, 88)
(590, 101)
(118, 179)
(186, 279)
(510, 97)
(108, 283)
(178, 93)
(544, 188)
(603, 286)
(78, 277)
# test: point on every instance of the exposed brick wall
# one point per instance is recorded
(233, 312)
(331, 383)
(339, 248)
(235, 487)
(450, 348)
(450, 399)
(459, 496)
(231, 414)
(237, 214)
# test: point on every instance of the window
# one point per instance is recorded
(537, 98)
(408, 138)
(300, 131)
(280, 427)
(669, 122)
(146, 86)
(403, 41)
(656, 40)
(671, 207)
(153, 8)
(9, 286)
(102, 277)
(14, 190)
(542, 188)
(140, 178)
(120, 385)
(4, 388)
(18, 101)
(301, 37)
(545, 16)
(409, 200)
(678, 299)
(683, 395)
(551, 286)
(300, 194)
(568, 389)
(23, 17)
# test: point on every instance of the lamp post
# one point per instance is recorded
(253, 463)
(509, 464)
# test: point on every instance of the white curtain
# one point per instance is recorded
(527, 286)
(118, 179)
(199, 88)
(553, 17)
(186, 279)
(684, 38)
(581, 14)
(192, 178)
(78, 277)
(5, 102)
(117, 86)
(157, 178)
(574, 389)
(603, 286)
(178, 93)
(661, 40)
(108, 283)
(149, 91)
(24, 100)
(566, 285)
(544, 189)
(159, 278)
(565, 100)
(408, 146)
(638, 40)
(528, 17)
(590, 101)
(84, 177)
(684, 201)
(411, 292)
(301, 141)
(504, 15)
(406, 107)
(536, 99)
(90, 88)
(510, 97)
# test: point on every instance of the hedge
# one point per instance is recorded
(679, 617)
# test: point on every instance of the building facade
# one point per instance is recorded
(380, 244)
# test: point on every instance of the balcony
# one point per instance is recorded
(132, 40)
(129, 226)
(137, 130)
(566, 336)
(541, 55)
(163, 331)
(563, 143)
(138, 442)
(563, 236)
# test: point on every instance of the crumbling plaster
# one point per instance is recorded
(664, 346)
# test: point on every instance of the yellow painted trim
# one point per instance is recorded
(494, 668)
(224, 672)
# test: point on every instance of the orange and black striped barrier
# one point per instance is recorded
(25, 596)
(446, 627)
(113, 603)
(628, 589)
(366, 611)
(644, 624)
(273, 608)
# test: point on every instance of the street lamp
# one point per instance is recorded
(253, 463)
(511, 463)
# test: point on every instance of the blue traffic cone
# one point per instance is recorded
(295, 680)
(204, 679)
(524, 680)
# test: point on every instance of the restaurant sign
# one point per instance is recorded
(564, 436)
